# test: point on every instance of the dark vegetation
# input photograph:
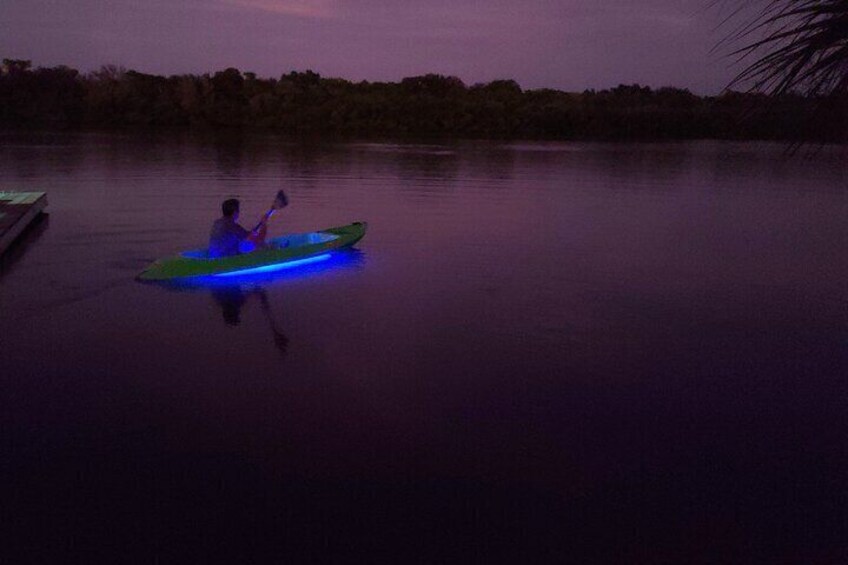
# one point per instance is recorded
(304, 103)
(795, 45)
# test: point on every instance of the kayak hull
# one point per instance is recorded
(288, 250)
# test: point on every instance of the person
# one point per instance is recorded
(229, 238)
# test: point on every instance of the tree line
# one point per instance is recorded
(304, 103)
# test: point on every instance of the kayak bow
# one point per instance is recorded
(281, 252)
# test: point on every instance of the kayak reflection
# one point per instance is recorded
(232, 294)
(27, 239)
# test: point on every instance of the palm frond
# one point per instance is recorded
(795, 45)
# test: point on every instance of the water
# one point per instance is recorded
(539, 352)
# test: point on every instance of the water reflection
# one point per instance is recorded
(231, 300)
(27, 156)
(547, 336)
(493, 162)
(233, 294)
(428, 164)
(229, 152)
(27, 239)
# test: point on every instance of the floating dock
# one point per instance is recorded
(17, 211)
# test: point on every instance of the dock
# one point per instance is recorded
(17, 211)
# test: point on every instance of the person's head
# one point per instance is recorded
(230, 208)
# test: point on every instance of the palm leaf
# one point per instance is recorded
(795, 46)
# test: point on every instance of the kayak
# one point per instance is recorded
(280, 253)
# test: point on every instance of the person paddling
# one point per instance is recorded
(229, 238)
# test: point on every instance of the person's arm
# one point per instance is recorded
(241, 232)
(248, 241)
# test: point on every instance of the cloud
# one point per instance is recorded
(300, 8)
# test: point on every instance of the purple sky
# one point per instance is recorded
(566, 44)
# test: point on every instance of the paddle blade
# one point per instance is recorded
(281, 201)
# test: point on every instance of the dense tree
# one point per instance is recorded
(39, 97)
(429, 105)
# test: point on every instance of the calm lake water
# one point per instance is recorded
(540, 352)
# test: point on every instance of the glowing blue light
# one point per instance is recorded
(276, 266)
(246, 246)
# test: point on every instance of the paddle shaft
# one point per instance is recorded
(280, 201)
(264, 220)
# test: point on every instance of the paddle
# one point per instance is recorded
(280, 201)
(280, 339)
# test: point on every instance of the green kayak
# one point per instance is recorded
(281, 253)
